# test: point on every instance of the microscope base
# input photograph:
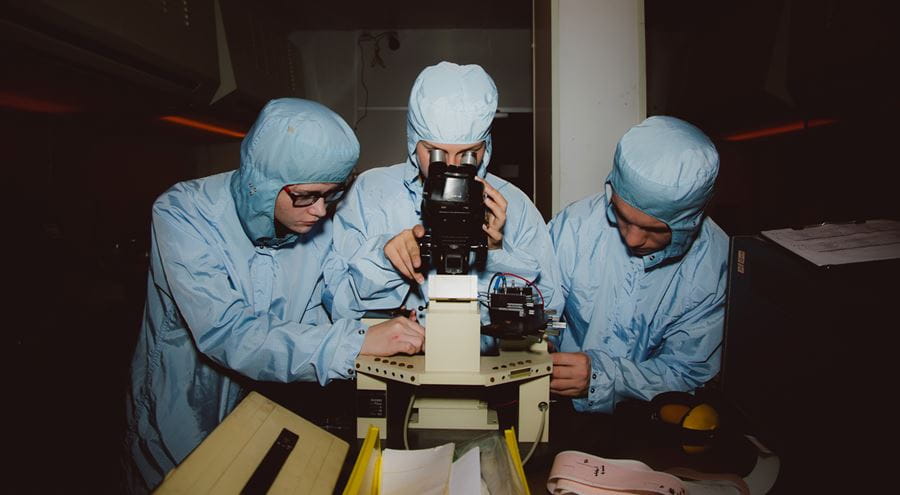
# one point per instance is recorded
(454, 400)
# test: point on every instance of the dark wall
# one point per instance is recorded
(735, 67)
(730, 68)
(79, 190)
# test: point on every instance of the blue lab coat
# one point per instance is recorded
(227, 299)
(654, 323)
(448, 104)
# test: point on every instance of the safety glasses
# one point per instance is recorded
(309, 198)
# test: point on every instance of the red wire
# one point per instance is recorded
(529, 282)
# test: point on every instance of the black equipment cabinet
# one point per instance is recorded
(811, 364)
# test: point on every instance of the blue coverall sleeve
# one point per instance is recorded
(564, 259)
(688, 357)
(229, 330)
(358, 275)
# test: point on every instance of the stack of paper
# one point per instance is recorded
(430, 472)
(838, 244)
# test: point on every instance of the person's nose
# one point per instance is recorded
(635, 237)
(318, 208)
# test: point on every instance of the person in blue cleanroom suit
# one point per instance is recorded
(643, 273)
(234, 287)
(375, 264)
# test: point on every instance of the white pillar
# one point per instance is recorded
(599, 89)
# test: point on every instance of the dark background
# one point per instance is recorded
(733, 68)
(81, 176)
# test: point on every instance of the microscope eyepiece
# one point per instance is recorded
(469, 158)
(437, 156)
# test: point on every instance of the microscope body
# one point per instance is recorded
(449, 387)
(452, 214)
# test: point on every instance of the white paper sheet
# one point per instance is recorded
(416, 472)
(837, 244)
(465, 474)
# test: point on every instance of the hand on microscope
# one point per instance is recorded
(402, 334)
(495, 217)
(571, 374)
(403, 252)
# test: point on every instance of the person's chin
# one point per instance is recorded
(303, 227)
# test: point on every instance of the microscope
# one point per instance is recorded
(453, 386)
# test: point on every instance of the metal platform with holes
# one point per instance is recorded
(509, 366)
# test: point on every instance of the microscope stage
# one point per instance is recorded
(508, 367)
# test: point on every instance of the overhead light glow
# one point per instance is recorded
(781, 129)
(196, 124)
(29, 104)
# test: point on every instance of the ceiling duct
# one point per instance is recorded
(228, 56)
(166, 45)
